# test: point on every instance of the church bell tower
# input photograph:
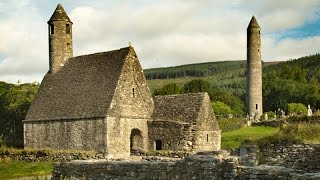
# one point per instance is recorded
(60, 39)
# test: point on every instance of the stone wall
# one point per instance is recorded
(305, 157)
(131, 108)
(85, 134)
(172, 135)
(45, 155)
(302, 157)
(119, 136)
(192, 167)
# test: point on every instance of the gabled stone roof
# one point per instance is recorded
(82, 88)
(253, 23)
(59, 15)
(182, 107)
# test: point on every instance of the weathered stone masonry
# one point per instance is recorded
(102, 102)
(193, 167)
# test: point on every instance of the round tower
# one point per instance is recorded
(60, 39)
(254, 70)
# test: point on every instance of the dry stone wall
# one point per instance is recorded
(305, 157)
(193, 167)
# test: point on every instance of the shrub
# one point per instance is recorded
(231, 124)
(297, 109)
(221, 109)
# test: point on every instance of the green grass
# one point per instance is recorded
(234, 139)
(15, 169)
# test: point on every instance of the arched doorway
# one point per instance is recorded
(136, 141)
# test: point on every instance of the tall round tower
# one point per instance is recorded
(254, 70)
(60, 39)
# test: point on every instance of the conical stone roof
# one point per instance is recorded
(253, 23)
(59, 15)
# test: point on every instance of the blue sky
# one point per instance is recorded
(164, 33)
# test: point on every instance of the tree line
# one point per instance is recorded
(15, 100)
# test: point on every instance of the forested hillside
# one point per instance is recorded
(293, 81)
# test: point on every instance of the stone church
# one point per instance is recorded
(102, 102)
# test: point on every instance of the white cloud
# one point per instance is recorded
(290, 48)
(163, 33)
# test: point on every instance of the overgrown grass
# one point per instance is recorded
(15, 169)
(234, 139)
(296, 133)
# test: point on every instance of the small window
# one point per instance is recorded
(133, 95)
(207, 137)
(68, 28)
(51, 29)
(158, 145)
(259, 32)
(257, 107)
(258, 50)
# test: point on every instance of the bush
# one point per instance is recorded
(297, 109)
(221, 109)
(231, 124)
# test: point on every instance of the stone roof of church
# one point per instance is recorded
(59, 15)
(253, 23)
(181, 107)
(82, 88)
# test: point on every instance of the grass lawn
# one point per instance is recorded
(233, 139)
(14, 169)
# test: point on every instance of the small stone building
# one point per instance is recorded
(102, 102)
(183, 122)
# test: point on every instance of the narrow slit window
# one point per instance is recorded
(256, 106)
(207, 137)
(68, 28)
(158, 145)
(51, 29)
(133, 95)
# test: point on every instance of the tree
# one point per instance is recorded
(221, 109)
(197, 85)
(168, 89)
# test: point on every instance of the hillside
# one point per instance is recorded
(229, 75)
(291, 81)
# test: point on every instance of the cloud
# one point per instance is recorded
(289, 48)
(164, 33)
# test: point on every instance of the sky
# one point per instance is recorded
(164, 33)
